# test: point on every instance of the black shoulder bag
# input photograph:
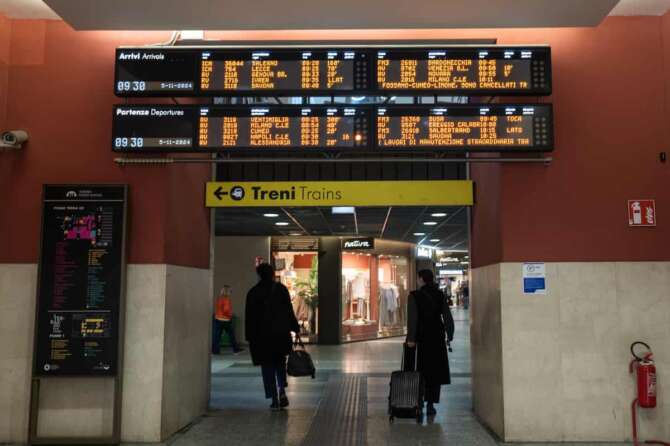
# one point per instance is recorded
(299, 361)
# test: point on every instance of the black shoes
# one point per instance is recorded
(275, 406)
(283, 401)
(430, 410)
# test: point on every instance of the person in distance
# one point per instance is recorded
(269, 322)
(429, 319)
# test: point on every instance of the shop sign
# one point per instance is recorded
(339, 193)
(424, 252)
(641, 213)
(534, 278)
(358, 243)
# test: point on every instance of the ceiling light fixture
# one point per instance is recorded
(271, 215)
(343, 210)
(438, 214)
(419, 234)
(282, 223)
(435, 240)
(430, 223)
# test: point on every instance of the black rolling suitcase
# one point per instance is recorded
(406, 395)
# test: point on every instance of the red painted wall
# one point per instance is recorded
(573, 210)
(61, 90)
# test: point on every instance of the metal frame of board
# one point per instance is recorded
(36, 381)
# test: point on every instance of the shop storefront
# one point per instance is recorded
(296, 262)
(376, 279)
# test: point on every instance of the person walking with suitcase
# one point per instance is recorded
(429, 320)
(269, 322)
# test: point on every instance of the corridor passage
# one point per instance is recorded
(345, 405)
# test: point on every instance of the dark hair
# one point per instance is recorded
(427, 276)
(265, 271)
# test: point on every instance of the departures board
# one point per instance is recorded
(363, 129)
(408, 70)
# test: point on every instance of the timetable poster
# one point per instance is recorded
(81, 269)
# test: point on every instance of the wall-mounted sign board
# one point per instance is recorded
(80, 281)
(355, 70)
(458, 128)
(339, 193)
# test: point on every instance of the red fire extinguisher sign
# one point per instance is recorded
(641, 213)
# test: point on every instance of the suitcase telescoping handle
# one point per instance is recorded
(416, 356)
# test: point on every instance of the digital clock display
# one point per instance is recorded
(151, 71)
(445, 70)
(138, 128)
(470, 128)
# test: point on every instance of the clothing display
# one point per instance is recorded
(389, 303)
(297, 274)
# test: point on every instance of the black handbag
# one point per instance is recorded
(299, 361)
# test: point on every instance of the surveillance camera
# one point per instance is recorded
(14, 138)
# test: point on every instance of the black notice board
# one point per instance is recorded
(80, 280)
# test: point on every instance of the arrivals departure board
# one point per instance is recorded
(80, 280)
(283, 127)
(286, 71)
(472, 128)
(366, 128)
(465, 70)
(401, 70)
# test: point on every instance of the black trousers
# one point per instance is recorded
(431, 391)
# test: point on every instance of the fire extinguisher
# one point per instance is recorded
(645, 371)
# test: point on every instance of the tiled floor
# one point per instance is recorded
(240, 414)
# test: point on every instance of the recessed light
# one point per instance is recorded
(271, 215)
(438, 214)
(419, 234)
(343, 210)
(434, 240)
(282, 223)
(295, 234)
(430, 223)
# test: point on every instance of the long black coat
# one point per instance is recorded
(430, 321)
(269, 321)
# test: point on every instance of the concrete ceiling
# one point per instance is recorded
(309, 14)
(208, 14)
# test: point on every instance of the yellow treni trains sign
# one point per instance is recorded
(339, 193)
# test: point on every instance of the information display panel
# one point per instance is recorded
(466, 128)
(465, 70)
(374, 70)
(155, 72)
(169, 128)
(285, 71)
(139, 129)
(80, 281)
(283, 127)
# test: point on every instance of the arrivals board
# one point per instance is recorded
(147, 129)
(80, 280)
(407, 70)
(494, 127)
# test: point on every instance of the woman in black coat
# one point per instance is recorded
(429, 321)
(269, 322)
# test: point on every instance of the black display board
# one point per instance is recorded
(366, 128)
(394, 70)
(81, 273)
